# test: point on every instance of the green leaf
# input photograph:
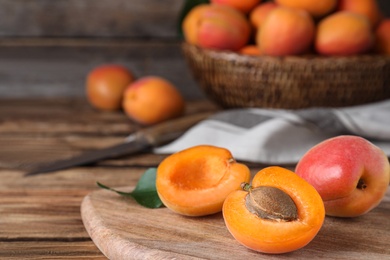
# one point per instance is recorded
(145, 193)
(188, 5)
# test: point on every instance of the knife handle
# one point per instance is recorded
(170, 130)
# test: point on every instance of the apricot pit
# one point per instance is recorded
(279, 213)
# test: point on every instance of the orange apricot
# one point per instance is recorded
(105, 85)
(286, 31)
(344, 33)
(151, 100)
(251, 50)
(217, 27)
(279, 213)
(243, 6)
(258, 14)
(315, 8)
(367, 8)
(382, 34)
(196, 181)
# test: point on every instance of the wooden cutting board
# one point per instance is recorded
(122, 229)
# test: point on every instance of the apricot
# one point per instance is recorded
(278, 213)
(196, 181)
(315, 8)
(217, 27)
(344, 33)
(382, 36)
(350, 173)
(286, 31)
(258, 14)
(151, 100)
(367, 8)
(251, 50)
(243, 6)
(105, 85)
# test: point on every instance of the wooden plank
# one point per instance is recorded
(59, 67)
(122, 229)
(103, 18)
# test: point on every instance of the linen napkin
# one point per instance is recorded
(280, 136)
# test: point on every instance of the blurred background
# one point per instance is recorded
(47, 47)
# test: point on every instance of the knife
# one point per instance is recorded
(139, 141)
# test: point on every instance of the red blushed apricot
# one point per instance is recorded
(286, 225)
(315, 8)
(217, 27)
(382, 34)
(243, 6)
(105, 86)
(258, 14)
(196, 181)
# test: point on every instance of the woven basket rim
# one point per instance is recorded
(238, 57)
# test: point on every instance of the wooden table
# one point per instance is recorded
(40, 215)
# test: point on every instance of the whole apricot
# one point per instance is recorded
(251, 50)
(196, 181)
(105, 85)
(344, 33)
(315, 8)
(258, 14)
(278, 213)
(217, 27)
(367, 8)
(243, 6)
(286, 31)
(382, 37)
(350, 173)
(151, 100)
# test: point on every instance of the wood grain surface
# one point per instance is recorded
(124, 230)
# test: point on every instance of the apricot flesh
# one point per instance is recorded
(196, 181)
(276, 236)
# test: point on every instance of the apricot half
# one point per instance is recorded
(196, 181)
(279, 213)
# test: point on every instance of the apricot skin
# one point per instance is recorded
(335, 166)
(216, 27)
(260, 12)
(382, 34)
(105, 86)
(344, 33)
(367, 8)
(151, 100)
(286, 31)
(260, 234)
(243, 6)
(196, 181)
(315, 8)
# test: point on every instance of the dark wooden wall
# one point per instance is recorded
(48, 46)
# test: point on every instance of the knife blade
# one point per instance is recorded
(139, 141)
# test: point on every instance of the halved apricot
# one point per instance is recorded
(278, 213)
(196, 181)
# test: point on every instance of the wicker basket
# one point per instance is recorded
(234, 80)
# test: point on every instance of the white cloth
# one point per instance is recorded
(276, 136)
